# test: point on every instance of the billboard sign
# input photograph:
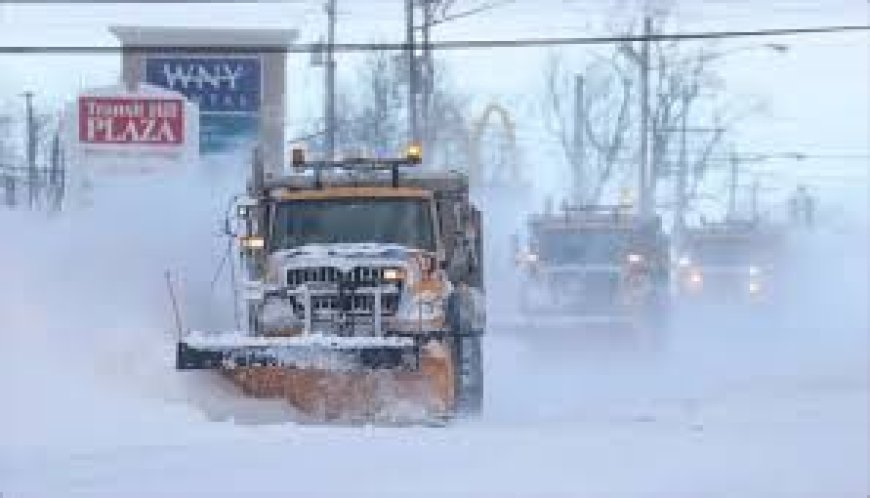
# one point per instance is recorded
(227, 89)
(219, 85)
(131, 120)
(116, 130)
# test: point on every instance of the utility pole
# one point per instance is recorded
(426, 72)
(579, 140)
(31, 149)
(644, 183)
(413, 130)
(329, 101)
(421, 64)
(732, 187)
(56, 174)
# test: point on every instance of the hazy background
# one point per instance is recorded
(815, 94)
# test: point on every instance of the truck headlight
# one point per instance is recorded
(635, 259)
(695, 279)
(252, 242)
(754, 287)
(526, 258)
(393, 274)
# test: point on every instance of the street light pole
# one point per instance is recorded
(644, 194)
(329, 110)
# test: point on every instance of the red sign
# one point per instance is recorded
(122, 120)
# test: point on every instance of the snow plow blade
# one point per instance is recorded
(335, 379)
(225, 351)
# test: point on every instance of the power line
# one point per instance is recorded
(437, 45)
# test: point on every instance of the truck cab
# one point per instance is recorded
(724, 262)
(353, 267)
(599, 263)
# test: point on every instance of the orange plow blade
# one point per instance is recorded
(375, 395)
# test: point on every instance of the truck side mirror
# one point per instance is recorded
(227, 227)
(458, 268)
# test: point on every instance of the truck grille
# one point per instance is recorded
(343, 291)
(587, 286)
(358, 304)
(332, 275)
(592, 280)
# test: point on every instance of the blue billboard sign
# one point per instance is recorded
(217, 84)
(228, 91)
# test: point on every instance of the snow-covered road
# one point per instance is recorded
(90, 405)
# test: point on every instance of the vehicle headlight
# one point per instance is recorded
(754, 271)
(754, 287)
(634, 258)
(252, 242)
(527, 258)
(393, 274)
(696, 278)
(684, 262)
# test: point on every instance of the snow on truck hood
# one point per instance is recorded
(343, 256)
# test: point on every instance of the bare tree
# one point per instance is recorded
(683, 83)
(606, 119)
(372, 114)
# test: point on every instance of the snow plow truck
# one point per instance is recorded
(729, 262)
(595, 267)
(363, 292)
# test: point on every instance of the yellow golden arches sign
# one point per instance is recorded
(479, 126)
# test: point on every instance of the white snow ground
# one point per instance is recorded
(90, 405)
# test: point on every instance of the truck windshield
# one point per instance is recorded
(404, 221)
(598, 246)
(730, 251)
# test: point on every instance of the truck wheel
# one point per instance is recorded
(468, 359)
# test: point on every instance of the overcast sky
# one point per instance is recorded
(816, 93)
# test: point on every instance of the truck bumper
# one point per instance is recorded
(199, 351)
